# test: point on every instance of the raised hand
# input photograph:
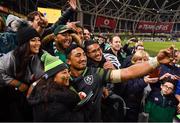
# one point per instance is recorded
(148, 79)
(166, 56)
(166, 75)
(72, 25)
(108, 65)
(73, 4)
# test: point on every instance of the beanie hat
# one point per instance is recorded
(62, 28)
(11, 18)
(25, 34)
(52, 65)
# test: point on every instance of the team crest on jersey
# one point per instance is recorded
(89, 79)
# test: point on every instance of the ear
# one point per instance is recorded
(110, 43)
(161, 86)
(55, 38)
(87, 54)
(68, 61)
(55, 78)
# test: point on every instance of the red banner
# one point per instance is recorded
(105, 22)
(150, 27)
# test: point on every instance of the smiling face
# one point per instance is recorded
(79, 32)
(63, 40)
(86, 34)
(140, 57)
(77, 59)
(35, 22)
(35, 44)
(62, 77)
(116, 43)
(94, 52)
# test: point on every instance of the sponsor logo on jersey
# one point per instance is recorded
(88, 79)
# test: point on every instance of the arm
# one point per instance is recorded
(48, 39)
(177, 95)
(178, 106)
(68, 14)
(7, 70)
(138, 70)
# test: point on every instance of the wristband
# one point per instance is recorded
(115, 76)
(153, 62)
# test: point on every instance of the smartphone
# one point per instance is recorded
(155, 73)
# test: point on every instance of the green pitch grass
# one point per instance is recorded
(153, 47)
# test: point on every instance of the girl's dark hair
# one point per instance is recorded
(23, 59)
(3, 25)
(47, 86)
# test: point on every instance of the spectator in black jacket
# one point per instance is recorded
(52, 98)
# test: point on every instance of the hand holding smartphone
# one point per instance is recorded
(155, 73)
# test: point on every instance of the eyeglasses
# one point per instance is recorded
(167, 88)
(95, 50)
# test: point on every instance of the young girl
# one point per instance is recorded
(53, 99)
(18, 69)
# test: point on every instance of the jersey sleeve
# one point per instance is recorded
(104, 75)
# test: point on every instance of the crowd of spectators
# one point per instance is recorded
(61, 72)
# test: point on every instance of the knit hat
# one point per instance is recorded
(25, 34)
(63, 28)
(52, 65)
(11, 18)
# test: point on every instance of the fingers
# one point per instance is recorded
(174, 77)
(153, 80)
(172, 51)
(147, 79)
(165, 56)
(72, 3)
(177, 77)
(178, 108)
(72, 25)
(108, 65)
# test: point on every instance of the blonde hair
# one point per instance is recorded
(139, 54)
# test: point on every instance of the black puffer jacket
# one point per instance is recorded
(52, 102)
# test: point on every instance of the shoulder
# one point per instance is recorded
(8, 56)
